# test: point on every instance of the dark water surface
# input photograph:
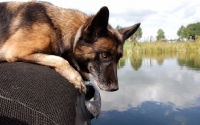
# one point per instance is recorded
(157, 89)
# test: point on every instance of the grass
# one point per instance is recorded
(161, 47)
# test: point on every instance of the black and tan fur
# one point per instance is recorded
(70, 41)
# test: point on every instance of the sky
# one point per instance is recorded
(167, 15)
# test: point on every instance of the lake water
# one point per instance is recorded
(160, 89)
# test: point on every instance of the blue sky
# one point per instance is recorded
(168, 15)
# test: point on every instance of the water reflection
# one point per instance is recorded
(154, 89)
(190, 60)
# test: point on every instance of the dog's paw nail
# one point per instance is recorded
(84, 90)
(81, 89)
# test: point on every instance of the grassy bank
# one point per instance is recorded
(161, 47)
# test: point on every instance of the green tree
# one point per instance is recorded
(193, 29)
(137, 35)
(183, 33)
(186, 33)
(118, 27)
(160, 34)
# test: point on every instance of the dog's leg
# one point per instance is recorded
(61, 65)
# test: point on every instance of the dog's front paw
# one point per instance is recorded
(81, 88)
(78, 82)
(72, 76)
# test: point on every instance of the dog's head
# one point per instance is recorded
(99, 47)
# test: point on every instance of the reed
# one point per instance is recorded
(161, 47)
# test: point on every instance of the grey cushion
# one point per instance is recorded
(35, 94)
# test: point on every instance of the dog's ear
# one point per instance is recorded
(128, 31)
(99, 22)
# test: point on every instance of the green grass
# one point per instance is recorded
(161, 47)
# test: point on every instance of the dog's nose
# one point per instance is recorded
(113, 87)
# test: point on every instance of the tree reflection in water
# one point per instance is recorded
(190, 60)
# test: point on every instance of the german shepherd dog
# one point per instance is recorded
(71, 42)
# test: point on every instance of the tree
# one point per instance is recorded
(137, 35)
(183, 33)
(118, 27)
(161, 34)
(193, 29)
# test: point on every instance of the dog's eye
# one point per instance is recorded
(104, 55)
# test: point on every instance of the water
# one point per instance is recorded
(159, 89)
